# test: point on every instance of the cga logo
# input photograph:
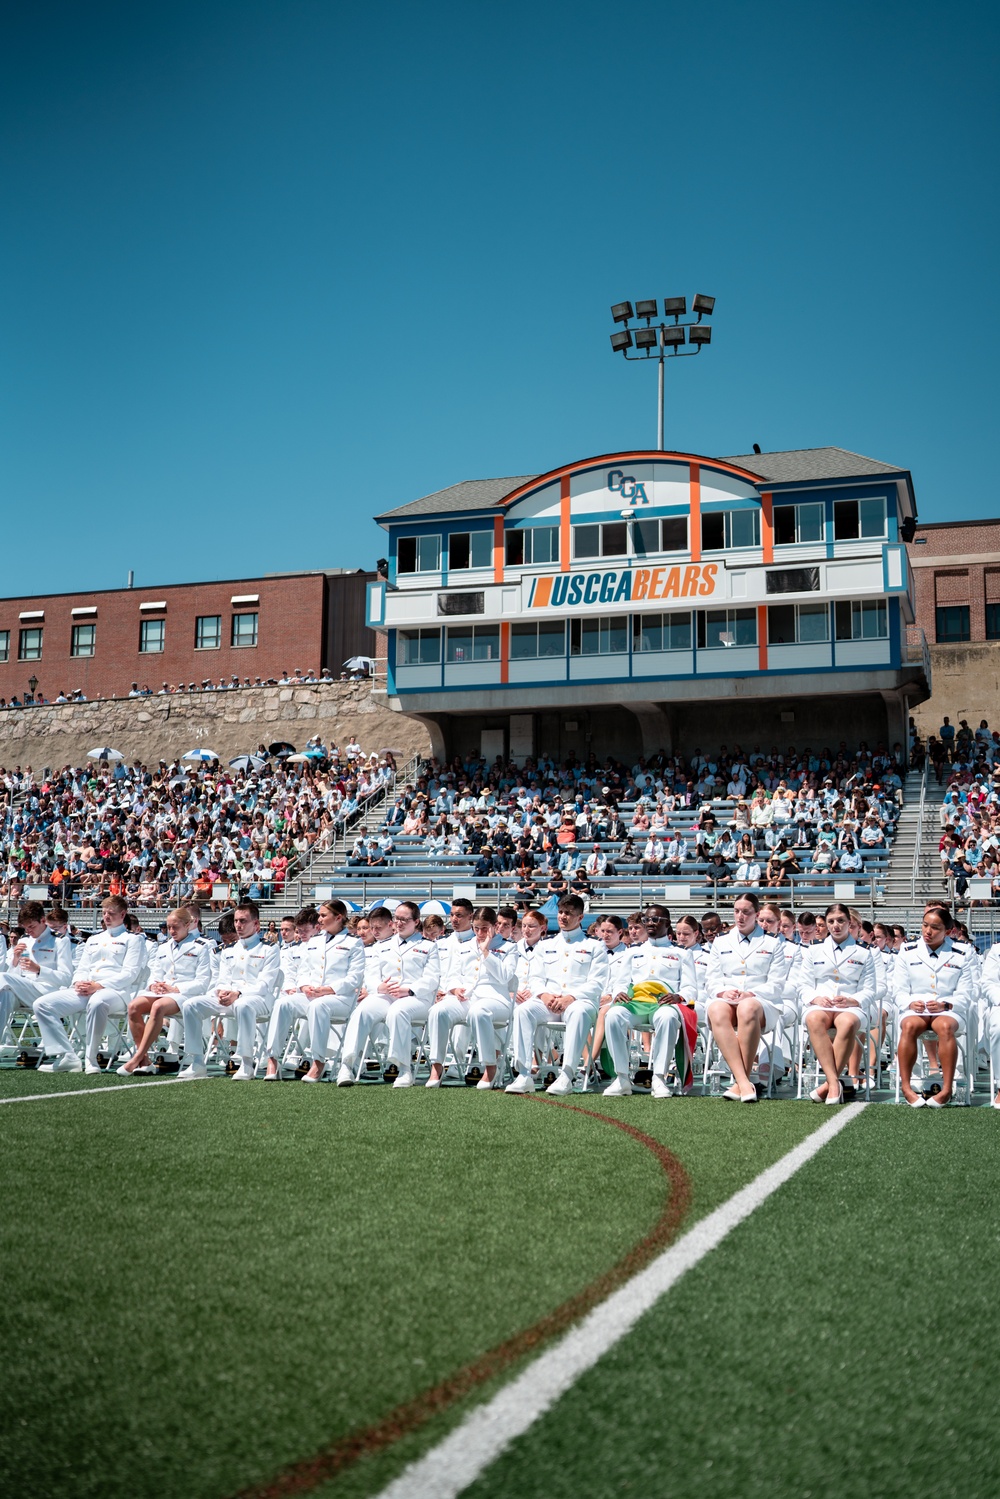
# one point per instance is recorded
(624, 484)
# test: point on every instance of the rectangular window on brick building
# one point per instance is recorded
(152, 633)
(83, 640)
(29, 645)
(993, 621)
(208, 632)
(244, 629)
(4, 645)
(951, 623)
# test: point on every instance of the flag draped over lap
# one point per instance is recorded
(643, 1003)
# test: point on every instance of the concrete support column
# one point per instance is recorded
(435, 732)
(897, 714)
(656, 727)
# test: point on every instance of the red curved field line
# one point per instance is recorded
(304, 1476)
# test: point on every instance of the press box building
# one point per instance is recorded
(654, 600)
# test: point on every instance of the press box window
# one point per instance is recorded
(469, 549)
(151, 636)
(29, 645)
(608, 540)
(82, 640)
(854, 520)
(725, 529)
(244, 629)
(4, 645)
(661, 632)
(952, 625)
(862, 619)
(420, 647)
(796, 524)
(798, 624)
(473, 643)
(536, 545)
(418, 554)
(601, 636)
(208, 632)
(722, 628)
(669, 534)
(531, 642)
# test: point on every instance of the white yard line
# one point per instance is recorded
(458, 1460)
(159, 1082)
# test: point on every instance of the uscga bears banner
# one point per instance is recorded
(692, 580)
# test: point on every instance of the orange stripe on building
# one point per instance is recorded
(504, 649)
(498, 555)
(762, 637)
(565, 534)
(695, 507)
(543, 592)
(767, 525)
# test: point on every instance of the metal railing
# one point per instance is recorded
(915, 870)
(915, 648)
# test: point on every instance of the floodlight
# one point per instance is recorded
(646, 338)
(645, 309)
(701, 333)
(674, 336)
(703, 306)
(621, 341)
(621, 312)
(674, 306)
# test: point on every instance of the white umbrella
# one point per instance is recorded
(105, 754)
(203, 755)
(248, 762)
(360, 663)
(435, 908)
(298, 759)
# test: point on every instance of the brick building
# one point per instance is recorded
(956, 576)
(100, 643)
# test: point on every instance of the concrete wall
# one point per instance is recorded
(154, 728)
(966, 685)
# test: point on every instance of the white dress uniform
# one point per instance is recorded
(619, 968)
(187, 965)
(487, 979)
(19, 988)
(326, 962)
(569, 963)
(450, 950)
(751, 963)
(947, 973)
(412, 962)
(655, 959)
(989, 985)
(252, 967)
(827, 968)
(115, 959)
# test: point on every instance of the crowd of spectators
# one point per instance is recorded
(557, 828)
(966, 762)
(297, 678)
(163, 835)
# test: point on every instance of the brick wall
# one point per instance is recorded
(958, 563)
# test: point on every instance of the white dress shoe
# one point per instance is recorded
(485, 1085)
(345, 1077)
(562, 1085)
(916, 1103)
(661, 1088)
(433, 1082)
(307, 1079)
(405, 1078)
(525, 1083)
(243, 1073)
(93, 1069)
(620, 1088)
(66, 1062)
(193, 1069)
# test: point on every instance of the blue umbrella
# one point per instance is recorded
(435, 907)
(204, 755)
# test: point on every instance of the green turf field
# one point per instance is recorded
(208, 1283)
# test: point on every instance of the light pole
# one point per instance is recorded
(665, 340)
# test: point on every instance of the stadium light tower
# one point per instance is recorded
(666, 339)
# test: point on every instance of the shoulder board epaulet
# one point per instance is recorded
(909, 946)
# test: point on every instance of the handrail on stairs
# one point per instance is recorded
(915, 870)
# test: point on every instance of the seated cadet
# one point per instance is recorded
(110, 967)
(657, 962)
(991, 1020)
(249, 974)
(38, 963)
(742, 1004)
(480, 977)
(567, 977)
(328, 979)
(935, 992)
(179, 968)
(404, 973)
(838, 987)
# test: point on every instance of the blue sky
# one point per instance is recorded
(269, 268)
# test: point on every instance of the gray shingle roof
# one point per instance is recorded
(797, 465)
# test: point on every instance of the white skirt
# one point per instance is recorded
(860, 1012)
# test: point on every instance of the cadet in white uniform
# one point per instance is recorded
(657, 959)
(249, 977)
(478, 995)
(450, 951)
(611, 930)
(567, 977)
(329, 976)
(742, 999)
(112, 965)
(38, 963)
(689, 936)
(405, 973)
(990, 993)
(935, 992)
(180, 968)
(838, 991)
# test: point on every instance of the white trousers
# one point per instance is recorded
(992, 1032)
(365, 1017)
(246, 1011)
(618, 1021)
(52, 1009)
(445, 1014)
(320, 1013)
(578, 1019)
(403, 1015)
(16, 993)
